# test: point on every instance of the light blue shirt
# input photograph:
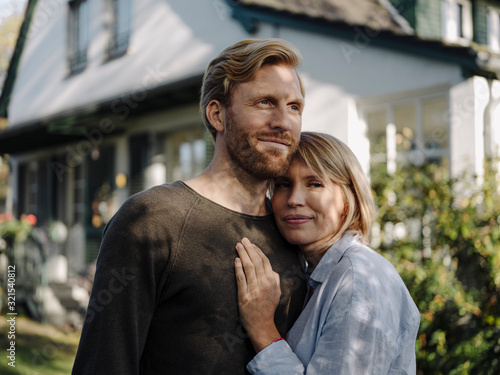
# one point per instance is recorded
(361, 319)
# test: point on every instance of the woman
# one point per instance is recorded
(359, 317)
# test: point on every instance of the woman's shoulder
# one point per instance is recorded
(372, 272)
(364, 258)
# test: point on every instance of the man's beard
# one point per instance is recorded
(264, 165)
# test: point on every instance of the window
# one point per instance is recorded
(167, 157)
(413, 130)
(119, 16)
(494, 29)
(78, 194)
(185, 153)
(78, 38)
(457, 21)
(138, 146)
(459, 16)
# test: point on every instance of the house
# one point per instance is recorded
(102, 95)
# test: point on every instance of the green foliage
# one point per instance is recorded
(12, 229)
(443, 236)
(41, 349)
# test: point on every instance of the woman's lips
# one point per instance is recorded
(297, 219)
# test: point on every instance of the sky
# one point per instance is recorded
(8, 7)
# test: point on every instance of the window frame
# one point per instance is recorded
(493, 29)
(78, 35)
(392, 156)
(457, 21)
(119, 27)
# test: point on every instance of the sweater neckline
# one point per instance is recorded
(221, 207)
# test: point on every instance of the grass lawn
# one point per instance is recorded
(40, 348)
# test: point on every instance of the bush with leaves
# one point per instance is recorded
(443, 236)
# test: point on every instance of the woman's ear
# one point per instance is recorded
(346, 210)
(215, 114)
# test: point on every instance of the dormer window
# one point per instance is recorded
(119, 25)
(494, 29)
(78, 35)
(457, 21)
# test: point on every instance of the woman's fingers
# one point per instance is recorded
(266, 264)
(247, 267)
(241, 279)
(254, 256)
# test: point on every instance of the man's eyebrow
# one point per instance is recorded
(300, 101)
(272, 97)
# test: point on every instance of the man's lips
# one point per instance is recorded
(273, 142)
(297, 219)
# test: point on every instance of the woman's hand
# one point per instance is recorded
(258, 294)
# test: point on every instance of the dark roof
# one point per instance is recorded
(369, 13)
(8, 84)
(347, 19)
(339, 18)
(69, 126)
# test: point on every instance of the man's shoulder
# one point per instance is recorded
(171, 194)
(155, 204)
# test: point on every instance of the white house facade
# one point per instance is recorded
(102, 98)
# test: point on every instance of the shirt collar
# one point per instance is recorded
(331, 258)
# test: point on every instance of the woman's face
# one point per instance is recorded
(308, 210)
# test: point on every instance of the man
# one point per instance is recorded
(164, 299)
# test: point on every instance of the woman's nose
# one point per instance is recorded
(296, 197)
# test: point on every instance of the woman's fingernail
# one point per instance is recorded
(245, 240)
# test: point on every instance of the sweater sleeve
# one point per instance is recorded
(129, 267)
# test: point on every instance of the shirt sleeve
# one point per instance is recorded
(348, 345)
(123, 297)
(277, 358)
(353, 340)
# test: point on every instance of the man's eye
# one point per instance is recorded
(264, 101)
(295, 107)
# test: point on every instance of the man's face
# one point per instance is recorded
(262, 124)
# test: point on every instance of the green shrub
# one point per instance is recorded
(443, 236)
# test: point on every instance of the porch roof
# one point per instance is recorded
(69, 126)
(331, 17)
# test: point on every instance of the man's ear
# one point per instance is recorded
(215, 114)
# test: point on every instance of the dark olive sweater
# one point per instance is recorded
(164, 299)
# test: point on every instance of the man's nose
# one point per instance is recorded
(281, 118)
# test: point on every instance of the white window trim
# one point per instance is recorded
(119, 25)
(494, 29)
(392, 157)
(78, 35)
(449, 20)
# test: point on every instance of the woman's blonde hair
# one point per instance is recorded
(239, 63)
(328, 157)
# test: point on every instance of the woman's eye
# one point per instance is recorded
(316, 184)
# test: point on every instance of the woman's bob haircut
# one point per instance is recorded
(328, 157)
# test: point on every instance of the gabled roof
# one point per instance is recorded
(8, 84)
(338, 18)
(376, 20)
(376, 14)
